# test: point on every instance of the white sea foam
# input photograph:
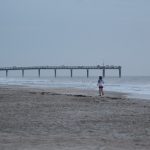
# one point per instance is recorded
(132, 85)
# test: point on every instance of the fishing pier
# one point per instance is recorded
(71, 68)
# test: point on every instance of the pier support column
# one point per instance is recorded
(103, 72)
(87, 73)
(39, 72)
(6, 73)
(71, 73)
(119, 72)
(55, 73)
(22, 73)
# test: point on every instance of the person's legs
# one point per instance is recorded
(101, 92)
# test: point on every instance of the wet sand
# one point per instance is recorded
(56, 119)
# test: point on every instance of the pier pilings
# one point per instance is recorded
(87, 73)
(71, 73)
(22, 73)
(119, 71)
(103, 72)
(55, 73)
(6, 73)
(39, 73)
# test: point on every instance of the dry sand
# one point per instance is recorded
(34, 119)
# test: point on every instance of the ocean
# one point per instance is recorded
(135, 86)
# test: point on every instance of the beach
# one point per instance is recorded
(69, 119)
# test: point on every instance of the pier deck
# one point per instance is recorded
(55, 68)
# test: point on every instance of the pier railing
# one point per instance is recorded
(55, 68)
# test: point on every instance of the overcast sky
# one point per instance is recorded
(76, 32)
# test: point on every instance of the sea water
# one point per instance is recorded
(134, 86)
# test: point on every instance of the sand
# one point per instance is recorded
(56, 119)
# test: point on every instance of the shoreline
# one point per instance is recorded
(49, 119)
(69, 91)
(128, 86)
(81, 91)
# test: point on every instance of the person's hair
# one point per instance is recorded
(100, 77)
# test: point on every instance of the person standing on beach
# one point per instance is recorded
(100, 85)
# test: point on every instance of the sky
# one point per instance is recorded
(76, 32)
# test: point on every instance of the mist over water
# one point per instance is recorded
(132, 85)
